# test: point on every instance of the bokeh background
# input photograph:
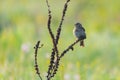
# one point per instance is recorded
(24, 22)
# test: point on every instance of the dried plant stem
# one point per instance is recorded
(49, 27)
(62, 19)
(55, 67)
(36, 64)
(51, 64)
(70, 47)
(54, 50)
(56, 63)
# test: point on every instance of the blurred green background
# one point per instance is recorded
(24, 22)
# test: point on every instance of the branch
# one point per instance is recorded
(55, 67)
(70, 47)
(62, 19)
(51, 64)
(36, 64)
(56, 63)
(54, 50)
(49, 27)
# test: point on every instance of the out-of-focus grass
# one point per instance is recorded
(23, 22)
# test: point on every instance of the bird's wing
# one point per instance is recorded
(83, 28)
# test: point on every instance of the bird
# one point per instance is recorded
(79, 33)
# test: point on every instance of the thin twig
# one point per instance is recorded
(49, 27)
(62, 19)
(70, 47)
(53, 40)
(56, 66)
(51, 64)
(54, 50)
(36, 64)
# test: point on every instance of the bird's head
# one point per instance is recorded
(78, 24)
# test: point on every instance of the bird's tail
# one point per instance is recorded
(82, 43)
